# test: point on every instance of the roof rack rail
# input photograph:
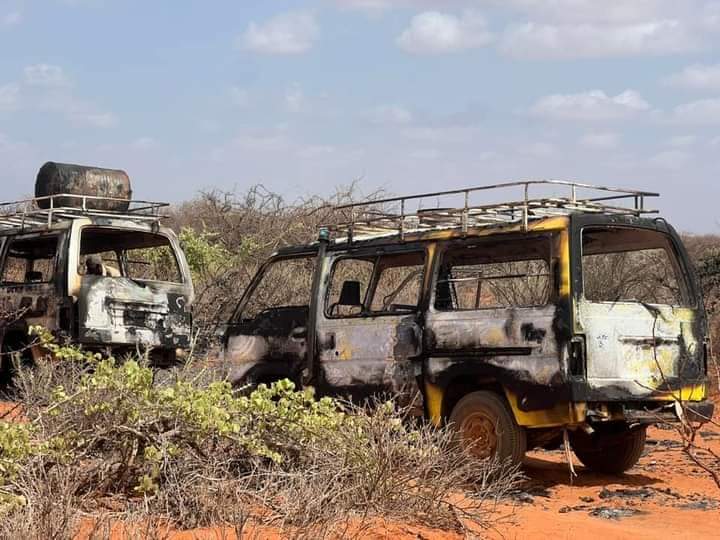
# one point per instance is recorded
(28, 213)
(402, 215)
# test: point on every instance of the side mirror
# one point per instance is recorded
(350, 294)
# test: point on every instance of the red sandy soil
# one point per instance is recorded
(666, 495)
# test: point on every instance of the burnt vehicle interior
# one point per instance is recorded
(136, 255)
(496, 274)
(30, 260)
(375, 285)
(278, 301)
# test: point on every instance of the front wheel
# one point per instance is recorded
(486, 428)
(612, 450)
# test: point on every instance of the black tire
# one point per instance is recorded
(610, 451)
(486, 428)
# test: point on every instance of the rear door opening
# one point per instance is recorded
(640, 318)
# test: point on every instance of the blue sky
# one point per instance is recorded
(406, 95)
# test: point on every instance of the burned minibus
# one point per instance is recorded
(516, 322)
(91, 265)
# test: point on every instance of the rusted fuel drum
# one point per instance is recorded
(61, 178)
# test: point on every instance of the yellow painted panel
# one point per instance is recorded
(434, 395)
(562, 414)
(695, 392)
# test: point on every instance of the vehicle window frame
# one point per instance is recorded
(5, 252)
(676, 261)
(372, 285)
(445, 247)
(260, 274)
(122, 254)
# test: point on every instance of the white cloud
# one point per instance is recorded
(44, 75)
(704, 111)
(591, 105)
(600, 141)
(433, 32)
(9, 97)
(697, 77)
(537, 40)
(287, 33)
(391, 114)
(682, 141)
(594, 11)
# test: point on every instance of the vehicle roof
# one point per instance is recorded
(65, 224)
(555, 223)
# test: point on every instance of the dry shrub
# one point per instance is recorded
(45, 503)
(198, 455)
(226, 236)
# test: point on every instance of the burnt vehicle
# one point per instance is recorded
(518, 322)
(93, 266)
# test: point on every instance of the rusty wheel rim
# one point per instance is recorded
(479, 435)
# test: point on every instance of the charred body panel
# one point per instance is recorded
(96, 311)
(119, 311)
(271, 345)
(562, 362)
(123, 310)
(639, 352)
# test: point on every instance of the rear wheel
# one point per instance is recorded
(612, 450)
(485, 427)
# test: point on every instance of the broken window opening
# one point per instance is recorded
(30, 260)
(632, 265)
(381, 285)
(493, 275)
(285, 283)
(136, 255)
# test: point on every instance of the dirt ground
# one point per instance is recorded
(664, 495)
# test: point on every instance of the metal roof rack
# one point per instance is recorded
(402, 215)
(28, 213)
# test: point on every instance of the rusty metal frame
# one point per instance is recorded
(28, 214)
(382, 217)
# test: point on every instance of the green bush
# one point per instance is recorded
(199, 454)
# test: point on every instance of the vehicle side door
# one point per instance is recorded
(368, 326)
(495, 314)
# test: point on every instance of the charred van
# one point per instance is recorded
(515, 321)
(88, 263)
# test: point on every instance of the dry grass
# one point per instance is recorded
(376, 464)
